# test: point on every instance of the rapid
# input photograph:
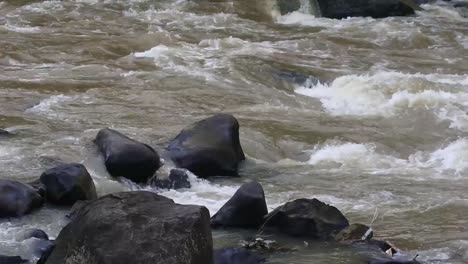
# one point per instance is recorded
(369, 115)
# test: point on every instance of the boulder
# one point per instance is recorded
(236, 256)
(45, 254)
(245, 209)
(177, 179)
(365, 8)
(17, 199)
(135, 227)
(308, 218)
(125, 157)
(34, 233)
(210, 147)
(11, 260)
(354, 232)
(68, 183)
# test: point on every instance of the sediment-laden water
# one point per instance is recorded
(379, 129)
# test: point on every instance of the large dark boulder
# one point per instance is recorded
(365, 8)
(17, 199)
(135, 227)
(177, 179)
(125, 157)
(68, 183)
(246, 208)
(210, 147)
(236, 256)
(309, 218)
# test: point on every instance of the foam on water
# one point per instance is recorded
(447, 162)
(453, 157)
(390, 94)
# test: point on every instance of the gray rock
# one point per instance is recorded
(308, 218)
(17, 199)
(236, 256)
(210, 147)
(135, 227)
(125, 157)
(11, 260)
(365, 8)
(246, 208)
(68, 183)
(177, 179)
(354, 232)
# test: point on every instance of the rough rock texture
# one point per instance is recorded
(365, 8)
(68, 183)
(17, 199)
(125, 157)
(210, 147)
(236, 256)
(354, 232)
(309, 218)
(135, 227)
(177, 179)
(246, 208)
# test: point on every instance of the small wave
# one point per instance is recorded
(202, 192)
(47, 105)
(453, 157)
(447, 162)
(345, 155)
(389, 94)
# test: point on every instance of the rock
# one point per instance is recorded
(135, 227)
(354, 232)
(177, 179)
(245, 209)
(34, 233)
(392, 261)
(4, 132)
(17, 199)
(210, 147)
(11, 260)
(365, 8)
(236, 256)
(309, 218)
(45, 254)
(68, 183)
(125, 157)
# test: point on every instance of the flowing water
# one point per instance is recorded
(382, 133)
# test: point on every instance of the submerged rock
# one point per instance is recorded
(246, 208)
(68, 183)
(135, 227)
(365, 8)
(4, 132)
(34, 233)
(11, 260)
(17, 199)
(309, 218)
(354, 232)
(236, 256)
(125, 157)
(177, 179)
(210, 147)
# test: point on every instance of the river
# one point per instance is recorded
(378, 130)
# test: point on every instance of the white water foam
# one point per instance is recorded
(47, 105)
(389, 94)
(449, 161)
